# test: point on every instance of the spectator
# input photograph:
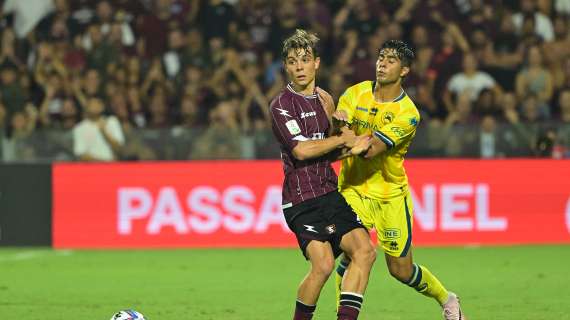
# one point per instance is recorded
(12, 92)
(159, 111)
(221, 140)
(564, 128)
(460, 130)
(557, 51)
(97, 137)
(470, 81)
(542, 24)
(488, 138)
(173, 58)
(27, 14)
(446, 61)
(503, 59)
(218, 19)
(486, 105)
(535, 78)
(21, 126)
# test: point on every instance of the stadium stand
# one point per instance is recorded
(192, 79)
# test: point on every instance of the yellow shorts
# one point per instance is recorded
(392, 220)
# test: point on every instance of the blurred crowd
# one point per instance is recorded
(192, 79)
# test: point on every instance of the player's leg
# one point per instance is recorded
(361, 208)
(395, 236)
(423, 281)
(343, 264)
(321, 256)
(356, 245)
(416, 276)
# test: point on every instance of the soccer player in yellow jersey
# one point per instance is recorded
(375, 185)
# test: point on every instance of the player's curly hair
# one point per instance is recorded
(403, 51)
(301, 39)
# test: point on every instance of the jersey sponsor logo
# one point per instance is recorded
(398, 131)
(392, 233)
(414, 121)
(330, 229)
(362, 109)
(373, 111)
(308, 114)
(387, 117)
(293, 127)
(363, 124)
(284, 112)
(310, 228)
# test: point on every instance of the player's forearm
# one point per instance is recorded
(315, 148)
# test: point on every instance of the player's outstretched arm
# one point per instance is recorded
(310, 149)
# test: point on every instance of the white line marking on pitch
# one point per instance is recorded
(28, 255)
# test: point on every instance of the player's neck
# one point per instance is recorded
(305, 90)
(387, 93)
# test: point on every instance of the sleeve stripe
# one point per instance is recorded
(385, 139)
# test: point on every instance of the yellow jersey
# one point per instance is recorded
(383, 176)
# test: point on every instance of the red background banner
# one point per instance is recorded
(238, 203)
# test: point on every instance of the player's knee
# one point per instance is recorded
(324, 267)
(401, 272)
(365, 256)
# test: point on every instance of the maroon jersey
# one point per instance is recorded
(295, 118)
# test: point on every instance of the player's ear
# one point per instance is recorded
(404, 72)
(317, 63)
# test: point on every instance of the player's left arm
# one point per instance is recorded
(393, 134)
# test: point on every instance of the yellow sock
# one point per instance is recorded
(427, 284)
(338, 280)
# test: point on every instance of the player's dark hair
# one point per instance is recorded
(402, 50)
(301, 40)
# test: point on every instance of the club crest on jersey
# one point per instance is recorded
(293, 127)
(387, 117)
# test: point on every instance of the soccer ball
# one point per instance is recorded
(128, 315)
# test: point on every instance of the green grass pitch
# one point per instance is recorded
(514, 283)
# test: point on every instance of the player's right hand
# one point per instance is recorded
(348, 137)
(361, 145)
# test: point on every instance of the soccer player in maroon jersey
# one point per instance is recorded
(324, 224)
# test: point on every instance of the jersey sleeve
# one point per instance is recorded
(347, 103)
(288, 128)
(399, 130)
